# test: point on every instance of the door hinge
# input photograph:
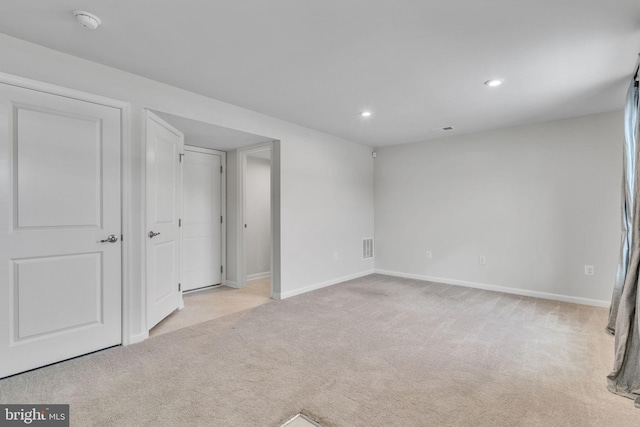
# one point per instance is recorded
(179, 222)
(122, 237)
(179, 287)
(180, 156)
(220, 219)
(221, 269)
(220, 169)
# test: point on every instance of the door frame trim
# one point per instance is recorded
(223, 204)
(125, 179)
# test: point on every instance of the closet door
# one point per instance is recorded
(202, 221)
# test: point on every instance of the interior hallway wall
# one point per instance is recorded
(258, 207)
(232, 219)
(539, 202)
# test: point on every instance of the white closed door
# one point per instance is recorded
(60, 272)
(165, 145)
(202, 219)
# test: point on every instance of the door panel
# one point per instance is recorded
(165, 255)
(164, 199)
(72, 190)
(165, 170)
(202, 231)
(76, 280)
(60, 286)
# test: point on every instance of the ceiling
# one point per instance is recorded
(417, 65)
(261, 154)
(206, 135)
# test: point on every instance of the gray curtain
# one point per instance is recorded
(625, 303)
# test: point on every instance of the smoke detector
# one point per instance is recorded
(87, 19)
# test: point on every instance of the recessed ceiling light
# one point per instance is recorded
(493, 82)
(365, 114)
(87, 19)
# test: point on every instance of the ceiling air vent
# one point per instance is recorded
(442, 129)
(367, 248)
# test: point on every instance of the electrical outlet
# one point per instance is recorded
(589, 270)
(429, 254)
(336, 257)
(482, 260)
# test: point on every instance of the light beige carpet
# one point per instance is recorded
(376, 351)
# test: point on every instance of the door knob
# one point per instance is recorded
(110, 239)
(152, 234)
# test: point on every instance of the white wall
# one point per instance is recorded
(258, 207)
(538, 201)
(327, 188)
(311, 198)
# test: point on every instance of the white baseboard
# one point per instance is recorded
(231, 284)
(133, 339)
(488, 287)
(288, 294)
(258, 275)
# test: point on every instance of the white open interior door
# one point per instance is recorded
(165, 146)
(202, 218)
(60, 272)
